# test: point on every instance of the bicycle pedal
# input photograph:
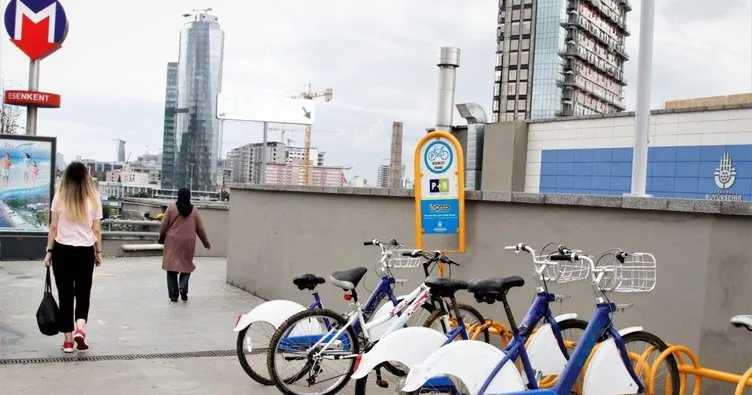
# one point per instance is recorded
(382, 383)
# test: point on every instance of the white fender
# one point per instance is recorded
(606, 374)
(562, 317)
(408, 346)
(378, 331)
(471, 362)
(544, 352)
(629, 330)
(543, 349)
(274, 312)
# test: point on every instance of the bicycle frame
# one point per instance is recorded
(599, 324)
(516, 348)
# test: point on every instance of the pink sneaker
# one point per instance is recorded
(67, 347)
(80, 338)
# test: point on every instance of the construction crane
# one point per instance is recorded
(327, 95)
(282, 131)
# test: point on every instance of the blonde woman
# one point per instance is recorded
(74, 247)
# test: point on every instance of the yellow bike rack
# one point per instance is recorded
(699, 372)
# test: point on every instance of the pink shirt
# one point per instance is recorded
(73, 233)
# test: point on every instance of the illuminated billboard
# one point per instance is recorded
(27, 181)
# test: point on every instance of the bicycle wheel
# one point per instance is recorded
(396, 372)
(302, 338)
(667, 378)
(252, 345)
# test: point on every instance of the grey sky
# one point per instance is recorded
(378, 57)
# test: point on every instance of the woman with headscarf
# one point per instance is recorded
(178, 229)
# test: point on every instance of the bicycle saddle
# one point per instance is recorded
(493, 289)
(348, 279)
(444, 287)
(307, 281)
(744, 321)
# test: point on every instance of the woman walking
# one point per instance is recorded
(178, 229)
(74, 247)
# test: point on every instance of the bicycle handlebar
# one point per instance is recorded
(436, 256)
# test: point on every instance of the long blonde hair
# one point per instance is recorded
(75, 190)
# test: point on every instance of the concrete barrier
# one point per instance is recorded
(702, 248)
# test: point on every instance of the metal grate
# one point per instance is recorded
(124, 357)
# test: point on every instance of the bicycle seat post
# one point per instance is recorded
(508, 311)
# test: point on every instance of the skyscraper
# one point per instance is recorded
(169, 149)
(197, 129)
(559, 58)
(120, 150)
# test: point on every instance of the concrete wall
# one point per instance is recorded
(704, 276)
(214, 216)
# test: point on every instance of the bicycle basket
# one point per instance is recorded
(397, 261)
(636, 274)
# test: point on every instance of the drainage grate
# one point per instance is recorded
(124, 357)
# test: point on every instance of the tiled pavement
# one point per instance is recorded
(130, 314)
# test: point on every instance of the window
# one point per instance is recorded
(512, 75)
(510, 105)
(523, 88)
(512, 90)
(496, 104)
(516, 28)
(521, 104)
(514, 44)
(525, 44)
(523, 74)
(527, 13)
(496, 90)
(526, 27)
(497, 75)
(499, 59)
(525, 57)
(509, 116)
(513, 59)
(516, 15)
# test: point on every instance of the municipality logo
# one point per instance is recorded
(724, 177)
(725, 174)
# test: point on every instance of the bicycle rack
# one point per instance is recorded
(698, 371)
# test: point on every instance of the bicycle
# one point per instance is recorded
(609, 371)
(349, 332)
(265, 318)
(543, 347)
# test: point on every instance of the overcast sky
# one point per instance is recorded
(379, 57)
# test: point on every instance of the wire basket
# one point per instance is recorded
(397, 261)
(636, 274)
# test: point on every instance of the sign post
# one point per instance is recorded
(439, 166)
(38, 28)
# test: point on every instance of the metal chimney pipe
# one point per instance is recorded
(449, 60)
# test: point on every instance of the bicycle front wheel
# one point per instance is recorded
(643, 349)
(312, 353)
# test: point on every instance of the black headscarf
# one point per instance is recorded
(184, 202)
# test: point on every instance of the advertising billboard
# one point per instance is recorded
(27, 182)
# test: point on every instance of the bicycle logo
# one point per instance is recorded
(438, 157)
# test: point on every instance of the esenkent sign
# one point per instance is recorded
(25, 98)
(36, 27)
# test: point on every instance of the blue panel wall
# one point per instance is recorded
(680, 172)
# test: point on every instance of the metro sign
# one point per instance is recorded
(36, 27)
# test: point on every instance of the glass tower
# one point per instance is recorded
(168, 141)
(199, 78)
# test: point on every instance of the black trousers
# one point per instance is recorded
(73, 268)
(176, 281)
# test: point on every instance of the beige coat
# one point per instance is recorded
(180, 239)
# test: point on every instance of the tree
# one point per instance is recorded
(9, 117)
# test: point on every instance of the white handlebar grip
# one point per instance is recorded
(510, 247)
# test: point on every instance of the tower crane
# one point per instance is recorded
(327, 95)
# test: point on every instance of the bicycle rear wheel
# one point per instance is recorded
(302, 341)
(252, 346)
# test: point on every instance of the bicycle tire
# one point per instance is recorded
(256, 376)
(362, 383)
(289, 323)
(658, 343)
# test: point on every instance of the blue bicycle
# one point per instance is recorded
(610, 368)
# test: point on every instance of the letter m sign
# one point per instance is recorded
(36, 27)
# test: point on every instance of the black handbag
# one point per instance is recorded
(48, 310)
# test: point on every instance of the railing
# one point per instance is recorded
(130, 227)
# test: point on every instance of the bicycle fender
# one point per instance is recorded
(408, 346)
(274, 312)
(544, 352)
(471, 362)
(378, 331)
(569, 316)
(606, 374)
(629, 330)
